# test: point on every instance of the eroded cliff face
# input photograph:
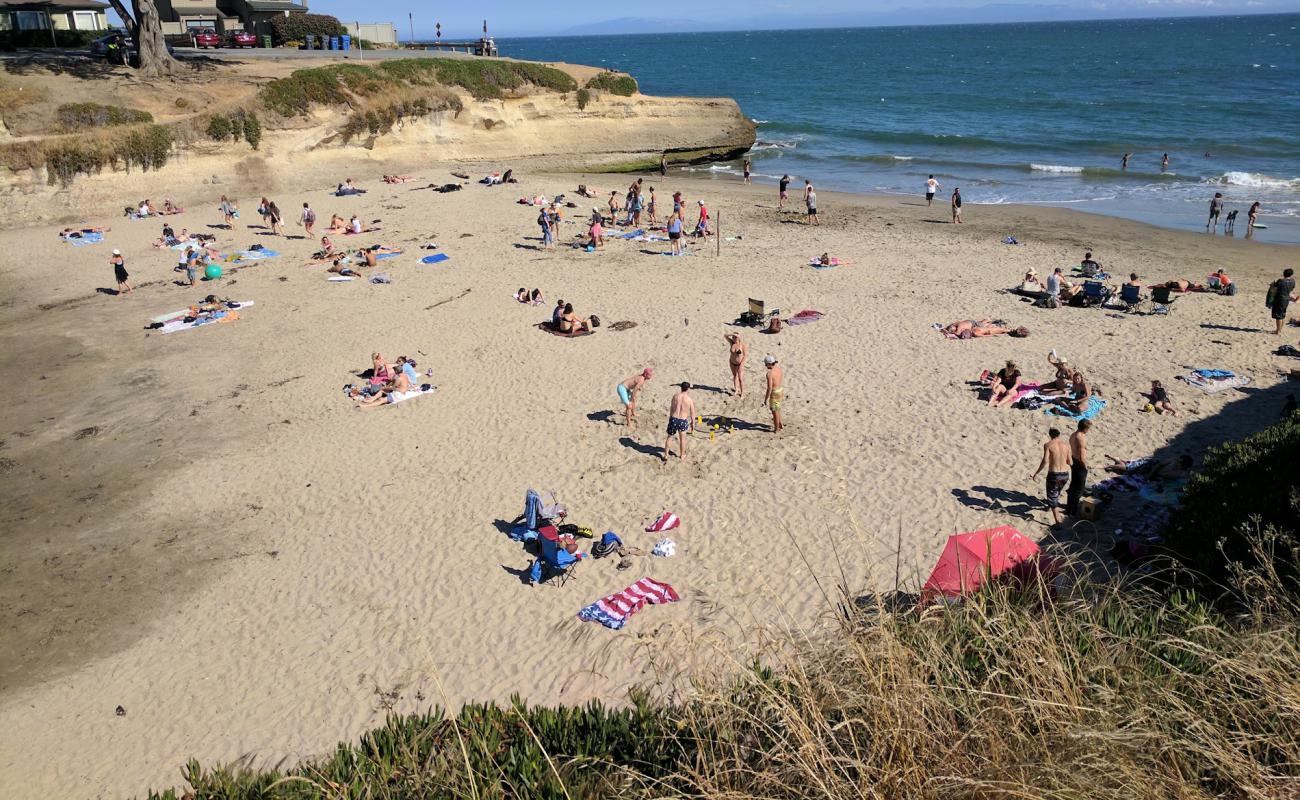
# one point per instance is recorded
(537, 131)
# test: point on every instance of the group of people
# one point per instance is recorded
(1216, 210)
(386, 383)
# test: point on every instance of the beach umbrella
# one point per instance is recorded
(969, 559)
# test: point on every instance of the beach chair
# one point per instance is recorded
(1095, 293)
(537, 513)
(1130, 297)
(758, 314)
(554, 561)
(1162, 300)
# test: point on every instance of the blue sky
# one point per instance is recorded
(531, 18)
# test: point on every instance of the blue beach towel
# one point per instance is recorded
(435, 258)
(383, 256)
(1214, 373)
(633, 234)
(1095, 405)
(85, 239)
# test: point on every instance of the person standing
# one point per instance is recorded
(956, 205)
(548, 234)
(651, 208)
(784, 187)
(674, 227)
(229, 211)
(628, 392)
(1123, 162)
(275, 218)
(1252, 215)
(119, 272)
(308, 220)
(737, 353)
(1057, 461)
(1216, 208)
(775, 391)
(1279, 297)
(748, 166)
(663, 164)
(1164, 162)
(1078, 467)
(931, 186)
(810, 200)
(681, 418)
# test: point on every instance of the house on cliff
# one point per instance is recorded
(62, 15)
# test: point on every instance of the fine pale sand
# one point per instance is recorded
(200, 529)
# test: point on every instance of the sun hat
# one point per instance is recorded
(117, 252)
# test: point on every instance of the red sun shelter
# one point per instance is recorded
(969, 559)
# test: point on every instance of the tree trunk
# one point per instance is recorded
(127, 19)
(155, 61)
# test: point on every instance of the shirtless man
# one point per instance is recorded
(967, 328)
(1078, 467)
(398, 383)
(738, 353)
(775, 391)
(681, 418)
(628, 392)
(1057, 460)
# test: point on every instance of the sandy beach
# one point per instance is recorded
(200, 528)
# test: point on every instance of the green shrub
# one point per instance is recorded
(1241, 486)
(144, 146)
(614, 83)
(218, 128)
(73, 117)
(297, 27)
(584, 97)
(41, 38)
(252, 130)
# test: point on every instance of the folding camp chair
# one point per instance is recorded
(758, 315)
(554, 560)
(1162, 300)
(1095, 293)
(1130, 297)
(537, 512)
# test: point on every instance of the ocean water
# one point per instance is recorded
(1014, 113)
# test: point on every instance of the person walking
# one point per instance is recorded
(275, 218)
(931, 186)
(119, 272)
(783, 186)
(775, 391)
(810, 200)
(738, 352)
(681, 418)
(1216, 208)
(748, 167)
(956, 205)
(1057, 460)
(1279, 298)
(1078, 467)
(548, 232)
(308, 220)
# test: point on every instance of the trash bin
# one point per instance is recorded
(266, 42)
(334, 42)
(310, 42)
(346, 41)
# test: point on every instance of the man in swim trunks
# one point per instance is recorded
(1216, 208)
(681, 418)
(775, 391)
(1057, 460)
(398, 384)
(1078, 467)
(748, 165)
(628, 392)
(956, 205)
(784, 186)
(737, 353)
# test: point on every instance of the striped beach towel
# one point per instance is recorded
(612, 611)
(666, 522)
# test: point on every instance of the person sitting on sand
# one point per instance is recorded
(371, 254)
(146, 209)
(339, 268)
(170, 207)
(968, 328)
(556, 313)
(397, 384)
(337, 224)
(1080, 394)
(347, 188)
(1159, 400)
(533, 298)
(1061, 383)
(629, 390)
(380, 374)
(167, 239)
(354, 225)
(1219, 281)
(583, 191)
(326, 251)
(1031, 282)
(1006, 384)
(398, 178)
(571, 323)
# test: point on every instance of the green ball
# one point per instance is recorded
(212, 272)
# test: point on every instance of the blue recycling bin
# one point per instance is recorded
(346, 42)
(334, 43)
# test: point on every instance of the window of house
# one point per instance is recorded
(85, 20)
(195, 25)
(32, 21)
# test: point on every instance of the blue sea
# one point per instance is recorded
(1013, 113)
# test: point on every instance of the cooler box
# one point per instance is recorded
(1089, 508)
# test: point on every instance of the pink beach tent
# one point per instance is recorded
(969, 559)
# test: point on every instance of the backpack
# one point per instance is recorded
(1271, 297)
(542, 219)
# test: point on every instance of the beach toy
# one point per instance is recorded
(212, 272)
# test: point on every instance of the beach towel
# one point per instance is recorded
(664, 522)
(340, 278)
(1095, 405)
(804, 317)
(1121, 483)
(632, 234)
(1165, 494)
(179, 324)
(613, 610)
(651, 237)
(86, 238)
(250, 255)
(436, 258)
(382, 256)
(401, 397)
(1213, 381)
(546, 326)
(664, 548)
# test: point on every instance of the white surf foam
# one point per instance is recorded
(1055, 168)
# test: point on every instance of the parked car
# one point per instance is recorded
(243, 39)
(206, 37)
(123, 51)
(99, 47)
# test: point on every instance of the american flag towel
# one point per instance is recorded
(666, 522)
(612, 611)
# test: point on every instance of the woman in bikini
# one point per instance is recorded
(737, 354)
(571, 324)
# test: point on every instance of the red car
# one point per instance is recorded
(243, 39)
(206, 37)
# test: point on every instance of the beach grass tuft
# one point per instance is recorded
(76, 117)
(614, 83)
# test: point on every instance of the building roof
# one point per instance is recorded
(276, 5)
(66, 5)
(196, 11)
